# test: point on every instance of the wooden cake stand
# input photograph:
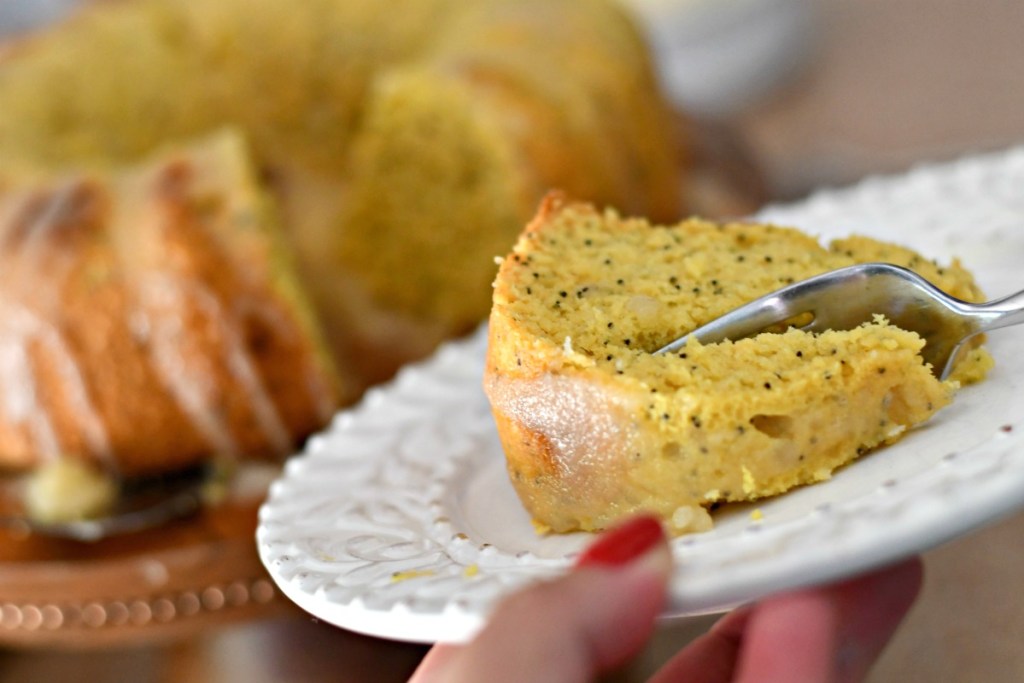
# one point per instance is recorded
(157, 584)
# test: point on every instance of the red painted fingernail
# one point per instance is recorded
(623, 544)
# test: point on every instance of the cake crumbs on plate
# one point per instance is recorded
(411, 574)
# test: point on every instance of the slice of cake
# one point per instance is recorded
(595, 427)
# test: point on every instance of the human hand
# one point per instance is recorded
(601, 614)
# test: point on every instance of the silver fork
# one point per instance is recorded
(843, 299)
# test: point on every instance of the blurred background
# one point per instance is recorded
(795, 95)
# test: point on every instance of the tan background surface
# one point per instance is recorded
(891, 83)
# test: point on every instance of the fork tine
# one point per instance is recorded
(786, 303)
(739, 323)
(845, 298)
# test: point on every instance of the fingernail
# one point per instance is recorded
(625, 543)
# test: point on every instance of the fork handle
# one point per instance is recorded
(1000, 313)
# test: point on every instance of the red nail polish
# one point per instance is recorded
(623, 544)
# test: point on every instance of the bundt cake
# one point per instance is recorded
(408, 143)
(160, 317)
(595, 426)
(151, 318)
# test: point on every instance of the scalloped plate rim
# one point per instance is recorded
(916, 531)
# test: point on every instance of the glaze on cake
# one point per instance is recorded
(150, 319)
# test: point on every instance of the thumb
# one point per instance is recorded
(574, 627)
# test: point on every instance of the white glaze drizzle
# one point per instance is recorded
(27, 305)
(317, 388)
(187, 376)
(18, 388)
(161, 297)
(22, 328)
(31, 291)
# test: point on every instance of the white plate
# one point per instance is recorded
(398, 521)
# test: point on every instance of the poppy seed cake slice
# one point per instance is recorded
(595, 427)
